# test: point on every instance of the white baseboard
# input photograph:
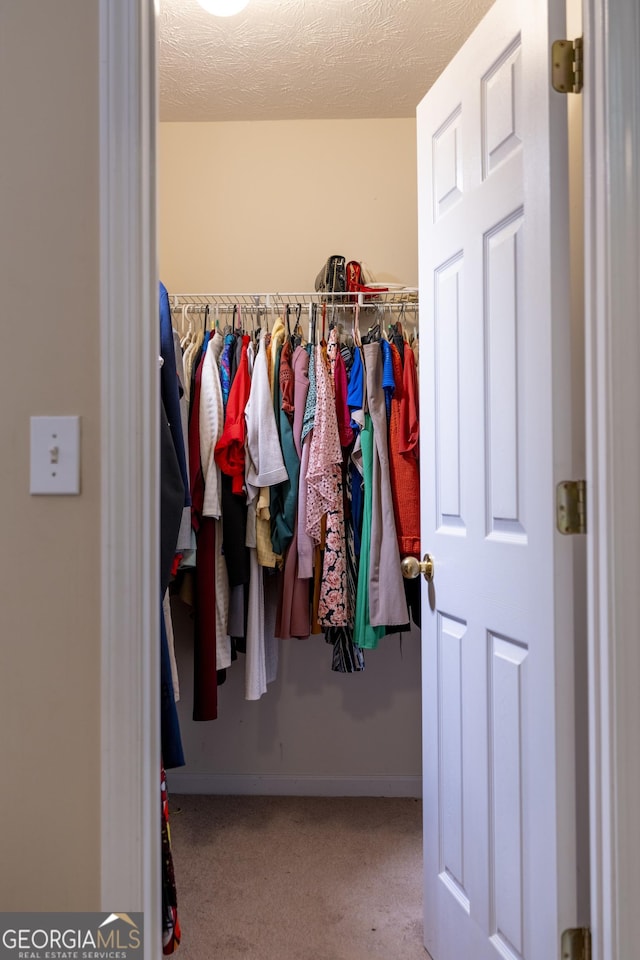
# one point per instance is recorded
(289, 785)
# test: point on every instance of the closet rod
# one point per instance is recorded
(263, 308)
(405, 296)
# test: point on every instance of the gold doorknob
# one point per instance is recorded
(412, 568)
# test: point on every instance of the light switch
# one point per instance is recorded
(55, 455)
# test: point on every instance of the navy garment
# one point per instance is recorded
(234, 534)
(171, 506)
(171, 500)
(170, 387)
(357, 506)
(174, 496)
(172, 753)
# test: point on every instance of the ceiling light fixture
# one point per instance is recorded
(223, 8)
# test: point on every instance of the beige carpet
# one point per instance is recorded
(298, 878)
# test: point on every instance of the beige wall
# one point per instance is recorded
(312, 725)
(49, 563)
(260, 206)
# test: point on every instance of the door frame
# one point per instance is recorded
(130, 749)
(129, 451)
(612, 334)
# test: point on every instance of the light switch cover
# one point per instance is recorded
(55, 455)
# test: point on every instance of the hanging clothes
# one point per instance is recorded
(225, 366)
(230, 457)
(185, 541)
(171, 932)
(229, 450)
(264, 431)
(264, 462)
(388, 378)
(366, 635)
(211, 425)
(347, 657)
(169, 386)
(333, 604)
(205, 688)
(387, 604)
(305, 543)
(287, 384)
(403, 470)
(345, 430)
(305, 510)
(283, 501)
(293, 616)
(173, 498)
(264, 466)
(168, 626)
(325, 455)
(409, 419)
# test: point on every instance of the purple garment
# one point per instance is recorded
(300, 365)
(225, 367)
(305, 543)
(294, 617)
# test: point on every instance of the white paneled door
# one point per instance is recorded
(499, 778)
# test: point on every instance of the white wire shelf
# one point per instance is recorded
(406, 297)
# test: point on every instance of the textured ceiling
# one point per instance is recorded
(307, 59)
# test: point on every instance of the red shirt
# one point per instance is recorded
(403, 463)
(229, 451)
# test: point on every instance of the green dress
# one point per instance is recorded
(364, 634)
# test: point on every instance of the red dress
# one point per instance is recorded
(403, 454)
(229, 451)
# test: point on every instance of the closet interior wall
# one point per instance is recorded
(259, 207)
(250, 206)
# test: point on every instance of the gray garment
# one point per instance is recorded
(185, 541)
(236, 611)
(387, 603)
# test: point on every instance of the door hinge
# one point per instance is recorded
(571, 506)
(576, 944)
(567, 74)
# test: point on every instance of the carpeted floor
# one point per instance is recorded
(298, 878)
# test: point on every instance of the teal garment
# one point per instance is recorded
(312, 395)
(283, 497)
(364, 635)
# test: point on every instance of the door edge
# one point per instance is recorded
(129, 350)
(612, 294)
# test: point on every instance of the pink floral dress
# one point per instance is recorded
(324, 496)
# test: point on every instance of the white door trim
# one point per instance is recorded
(129, 350)
(130, 658)
(612, 270)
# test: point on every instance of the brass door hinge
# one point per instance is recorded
(576, 944)
(567, 74)
(571, 506)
